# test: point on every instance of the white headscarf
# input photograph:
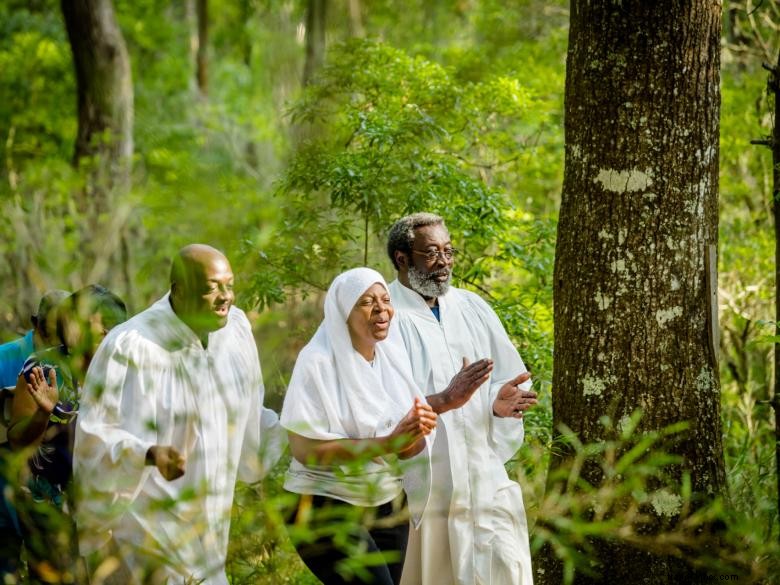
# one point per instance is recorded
(334, 392)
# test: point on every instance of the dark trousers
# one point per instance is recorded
(345, 544)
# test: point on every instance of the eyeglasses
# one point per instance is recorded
(433, 255)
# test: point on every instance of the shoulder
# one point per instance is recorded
(469, 299)
(137, 336)
(238, 319)
(17, 346)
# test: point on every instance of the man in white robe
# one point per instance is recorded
(170, 416)
(474, 531)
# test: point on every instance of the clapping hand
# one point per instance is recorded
(44, 394)
(418, 422)
(513, 402)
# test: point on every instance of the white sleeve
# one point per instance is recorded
(506, 434)
(114, 431)
(264, 438)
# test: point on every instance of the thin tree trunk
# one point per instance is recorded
(356, 28)
(635, 268)
(316, 11)
(201, 68)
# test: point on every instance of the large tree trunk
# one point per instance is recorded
(635, 267)
(105, 141)
(315, 38)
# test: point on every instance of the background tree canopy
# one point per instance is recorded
(449, 106)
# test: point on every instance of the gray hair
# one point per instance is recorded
(401, 235)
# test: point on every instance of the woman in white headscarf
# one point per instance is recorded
(352, 412)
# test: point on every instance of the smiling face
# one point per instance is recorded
(202, 289)
(369, 320)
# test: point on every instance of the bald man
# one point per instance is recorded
(171, 416)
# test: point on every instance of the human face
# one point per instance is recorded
(206, 297)
(430, 278)
(369, 320)
(82, 335)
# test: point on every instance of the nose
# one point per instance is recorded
(225, 295)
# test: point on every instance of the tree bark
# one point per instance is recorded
(356, 28)
(104, 142)
(201, 68)
(105, 92)
(635, 267)
(316, 11)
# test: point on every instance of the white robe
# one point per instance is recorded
(474, 531)
(152, 382)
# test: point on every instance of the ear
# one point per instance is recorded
(401, 259)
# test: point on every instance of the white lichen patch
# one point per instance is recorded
(603, 301)
(622, 233)
(675, 283)
(605, 235)
(650, 196)
(666, 503)
(618, 266)
(623, 181)
(663, 316)
(706, 380)
(593, 386)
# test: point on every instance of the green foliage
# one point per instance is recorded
(456, 110)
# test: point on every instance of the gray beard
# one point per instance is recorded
(424, 283)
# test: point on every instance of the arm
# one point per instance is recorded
(32, 405)
(116, 426)
(406, 440)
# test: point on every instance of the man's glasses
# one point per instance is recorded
(433, 255)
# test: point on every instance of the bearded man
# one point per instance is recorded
(474, 530)
(171, 415)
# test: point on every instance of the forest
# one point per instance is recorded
(609, 171)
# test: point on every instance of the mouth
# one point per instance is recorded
(440, 276)
(382, 325)
(222, 310)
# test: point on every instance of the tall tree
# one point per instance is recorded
(201, 71)
(104, 142)
(635, 267)
(316, 11)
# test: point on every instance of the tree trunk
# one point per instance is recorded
(201, 68)
(104, 143)
(315, 38)
(635, 266)
(356, 28)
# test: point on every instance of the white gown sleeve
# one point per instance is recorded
(264, 439)
(506, 434)
(111, 439)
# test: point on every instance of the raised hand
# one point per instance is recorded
(462, 386)
(418, 422)
(168, 461)
(44, 394)
(511, 401)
